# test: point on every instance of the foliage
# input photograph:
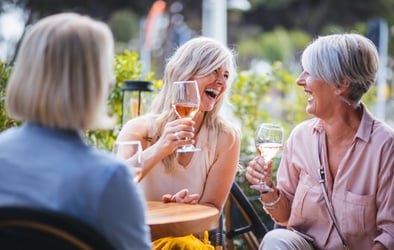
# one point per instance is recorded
(271, 46)
(127, 67)
(124, 25)
(267, 97)
(5, 121)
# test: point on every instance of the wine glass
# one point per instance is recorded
(131, 153)
(268, 141)
(186, 102)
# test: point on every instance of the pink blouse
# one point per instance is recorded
(362, 192)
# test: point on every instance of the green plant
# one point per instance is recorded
(256, 97)
(272, 96)
(278, 44)
(5, 72)
(127, 67)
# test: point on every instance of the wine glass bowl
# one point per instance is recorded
(268, 141)
(186, 102)
(131, 153)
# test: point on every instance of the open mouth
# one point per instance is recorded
(212, 93)
(308, 94)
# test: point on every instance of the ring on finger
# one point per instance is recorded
(176, 134)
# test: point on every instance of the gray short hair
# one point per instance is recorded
(63, 73)
(334, 58)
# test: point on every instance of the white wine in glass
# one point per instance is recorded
(186, 102)
(131, 153)
(268, 141)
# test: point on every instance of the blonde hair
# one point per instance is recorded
(196, 58)
(337, 57)
(63, 73)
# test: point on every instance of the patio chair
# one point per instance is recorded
(31, 228)
(239, 218)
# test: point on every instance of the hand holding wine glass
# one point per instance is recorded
(268, 142)
(131, 153)
(186, 102)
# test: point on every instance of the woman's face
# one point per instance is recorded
(211, 87)
(321, 95)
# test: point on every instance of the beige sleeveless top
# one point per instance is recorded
(160, 180)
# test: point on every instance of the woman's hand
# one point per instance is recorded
(259, 170)
(174, 134)
(182, 196)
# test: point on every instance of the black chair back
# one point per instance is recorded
(32, 228)
(240, 218)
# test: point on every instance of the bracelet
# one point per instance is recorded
(271, 205)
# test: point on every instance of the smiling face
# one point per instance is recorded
(206, 61)
(346, 62)
(322, 96)
(212, 87)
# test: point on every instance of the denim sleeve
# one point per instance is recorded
(121, 212)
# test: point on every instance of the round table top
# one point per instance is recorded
(179, 219)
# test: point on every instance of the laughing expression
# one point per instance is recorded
(320, 95)
(211, 87)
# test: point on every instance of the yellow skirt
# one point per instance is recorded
(188, 242)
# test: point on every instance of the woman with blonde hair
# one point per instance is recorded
(203, 177)
(59, 86)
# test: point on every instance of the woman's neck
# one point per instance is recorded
(343, 126)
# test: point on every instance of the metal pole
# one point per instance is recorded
(145, 52)
(382, 71)
(139, 102)
(214, 19)
(123, 113)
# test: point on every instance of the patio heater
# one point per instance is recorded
(136, 99)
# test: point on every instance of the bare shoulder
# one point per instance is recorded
(229, 138)
(137, 128)
(140, 121)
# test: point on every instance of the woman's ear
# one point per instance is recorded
(343, 88)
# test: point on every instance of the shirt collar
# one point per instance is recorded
(364, 130)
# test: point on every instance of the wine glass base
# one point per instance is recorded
(262, 188)
(188, 149)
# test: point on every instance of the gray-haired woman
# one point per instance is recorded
(335, 179)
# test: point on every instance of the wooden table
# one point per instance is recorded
(178, 219)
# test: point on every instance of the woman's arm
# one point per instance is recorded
(274, 203)
(120, 212)
(378, 246)
(139, 129)
(222, 172)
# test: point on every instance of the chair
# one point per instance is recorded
(33, 228)
(240, 219)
